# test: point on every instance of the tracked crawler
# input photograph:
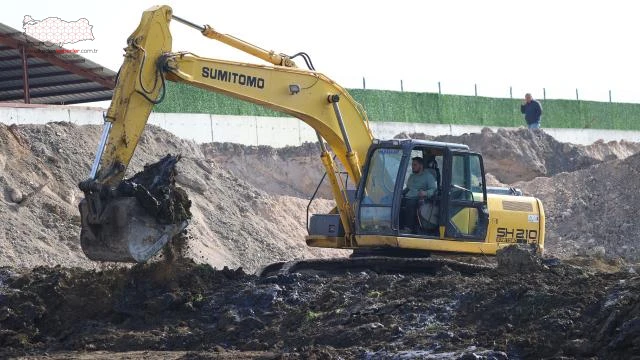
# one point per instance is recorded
(378, 264)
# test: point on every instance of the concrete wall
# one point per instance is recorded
(11, 113)
(276, 132)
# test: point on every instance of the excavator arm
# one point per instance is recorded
(117, 229)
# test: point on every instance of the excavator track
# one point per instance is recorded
(378, 264)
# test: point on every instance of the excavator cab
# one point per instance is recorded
(458, 208)
(457, 211)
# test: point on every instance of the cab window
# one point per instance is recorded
(466, 175)
(377, 200)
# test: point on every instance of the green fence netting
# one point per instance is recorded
(385, 105)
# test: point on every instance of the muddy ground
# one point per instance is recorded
(580, 301)
(517, 310)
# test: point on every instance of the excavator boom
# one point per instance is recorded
(306, 94)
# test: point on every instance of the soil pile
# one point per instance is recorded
(509, 156)
(234, 223)
(520, 155)
(39, 169)
(293, 171)
(551, 310)
(592, 211)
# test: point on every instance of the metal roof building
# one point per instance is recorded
(32, 72)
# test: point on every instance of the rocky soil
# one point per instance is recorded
(580, 301)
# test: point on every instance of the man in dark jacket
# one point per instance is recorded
(532, 111)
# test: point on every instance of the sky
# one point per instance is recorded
(527, 46)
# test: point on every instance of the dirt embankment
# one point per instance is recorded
(592, 211)
(509, 156)
(520, 155)
(293, 171)
(234, 223)
(249, 202)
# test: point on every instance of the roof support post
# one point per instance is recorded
(25, 75)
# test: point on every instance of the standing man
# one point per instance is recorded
(532, 111)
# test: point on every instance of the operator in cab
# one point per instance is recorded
(421, 184)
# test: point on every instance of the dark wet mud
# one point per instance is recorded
(518, 310)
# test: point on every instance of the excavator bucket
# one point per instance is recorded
(133, 221)
(124, 232)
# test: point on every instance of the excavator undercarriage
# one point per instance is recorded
(377, 264)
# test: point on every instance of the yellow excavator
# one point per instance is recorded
(121, 218)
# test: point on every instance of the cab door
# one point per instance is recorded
(464, 211)
(376, 208)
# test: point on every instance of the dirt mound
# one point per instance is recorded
(592, 211)
(509, 156)
(233, 224)
(42, 165)
(520, 155)
(518, 258)
(553, 311)
(293, 171)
